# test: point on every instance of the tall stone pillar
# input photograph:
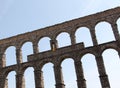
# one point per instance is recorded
(3, 82)
(39, 82)
(116, 35)
(19, 55)
(93, 35)
(35, 48)
(81, 82)
(20, 81)
(59, 77)
(115, 31)
(73, 39)
(2, 60)
(54, 44)
(101, 69)
(6, 83)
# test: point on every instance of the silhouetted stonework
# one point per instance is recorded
(57, 55)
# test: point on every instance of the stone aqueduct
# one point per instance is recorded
(57, 55)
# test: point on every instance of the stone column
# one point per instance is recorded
(81, 82)
(115, 31)
(54, 44)
(101, 69)
(73, 39)
(20, 81)
(93, 36)
(116, 35)
(19, 55)
(59, 77)
(2, 60)
(35, 48)
(6, 83)
(3, 82)
(39, 82)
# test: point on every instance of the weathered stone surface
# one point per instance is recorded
(57, 55)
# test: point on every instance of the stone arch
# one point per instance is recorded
(58, 32)
(27, 49)
(90, 71)
(10, 57)
(111, 60)
(63, 39)
(48, 74)
(114, 47)
(26, 66)
(7, 71)
(85, 52)
(6, 46)
(29, 78)
(39, 37)
(11, 80)
(81, 34)
(69, 74)
(45, 61)
(44, 44)
(61, 58)
(24, 41)
(104, 32)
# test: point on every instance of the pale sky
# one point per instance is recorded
(27, 15)
(20, 16)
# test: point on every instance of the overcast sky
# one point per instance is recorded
(20, 16)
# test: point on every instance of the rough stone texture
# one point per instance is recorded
(57, 55)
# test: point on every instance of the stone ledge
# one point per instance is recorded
(59, 51)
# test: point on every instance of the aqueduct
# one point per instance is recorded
(56, 55)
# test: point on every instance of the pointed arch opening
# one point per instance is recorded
(90, 71)
(104, 32)
(29, 78)
(44, 44)
(69, 73)
(112, 65)
(63, 39)
(11, 56)
(11, 80)
(118, 25)
(27, 49)
(48, 73)
(83, 35)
